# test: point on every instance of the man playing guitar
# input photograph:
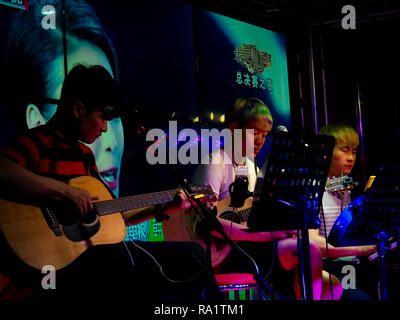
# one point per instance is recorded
(33, 170)
(253, 114)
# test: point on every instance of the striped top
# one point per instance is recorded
(43, 151)
(333, 204)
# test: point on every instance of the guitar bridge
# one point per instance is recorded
(52, 222)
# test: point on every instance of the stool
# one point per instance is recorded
(237, 286)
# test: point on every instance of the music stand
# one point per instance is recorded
(291, 195)
(372, 218)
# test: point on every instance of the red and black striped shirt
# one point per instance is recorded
(43, 151)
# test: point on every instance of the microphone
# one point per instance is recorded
(281, 128)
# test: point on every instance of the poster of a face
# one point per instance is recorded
(169, 65)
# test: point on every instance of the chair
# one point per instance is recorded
(237, 286)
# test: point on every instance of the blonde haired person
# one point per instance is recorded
(252, 113)
(343, 160)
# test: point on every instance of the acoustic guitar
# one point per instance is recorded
(52, 235)
(181, 227)
(335, 184)
(341, 183)
(241, 215)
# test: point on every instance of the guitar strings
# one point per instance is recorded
(128, 201)
(138, 201)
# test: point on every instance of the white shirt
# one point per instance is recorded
(220, 175)
(333, 204)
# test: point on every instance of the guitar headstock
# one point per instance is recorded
(204, 191)
(340, 183)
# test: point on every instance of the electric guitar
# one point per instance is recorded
(52, 235)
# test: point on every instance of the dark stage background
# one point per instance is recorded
(172, 59)
(175, 62)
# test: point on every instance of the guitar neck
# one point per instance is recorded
(133, 202)
(241, 215)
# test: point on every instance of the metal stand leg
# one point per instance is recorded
(383, 292)
(305, 278)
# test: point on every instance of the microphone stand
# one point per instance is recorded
(209, 223)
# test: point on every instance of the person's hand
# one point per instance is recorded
(366, 250)
(81, 198)
(181, 201)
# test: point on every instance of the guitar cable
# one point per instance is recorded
(274, 246)
(274, 251)
(129, 253)
(326, 247)
(244, 252)
(251, 258)
(234, 243)
(161, 268)
(158, 264)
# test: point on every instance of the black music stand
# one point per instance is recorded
(292, 190)
(209, 223)
(372, 218)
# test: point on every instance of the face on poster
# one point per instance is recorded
(151, 56)
(153, 67)
(156, 66)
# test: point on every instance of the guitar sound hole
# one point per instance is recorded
(75, 228)
(78, 232)
(89, 218)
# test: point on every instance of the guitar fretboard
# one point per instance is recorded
(243, 215)
(133, 202)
